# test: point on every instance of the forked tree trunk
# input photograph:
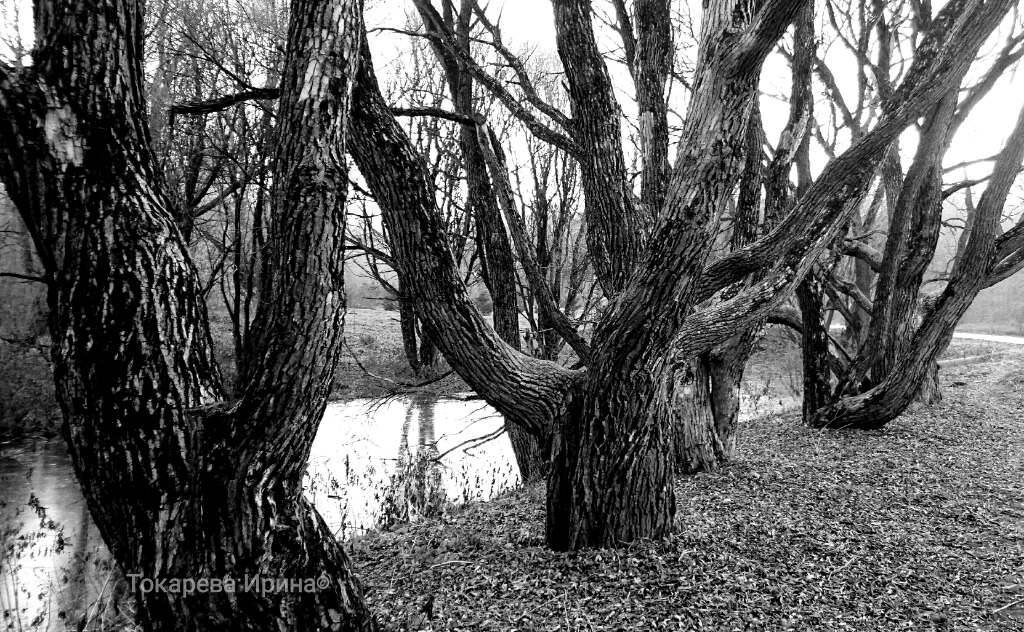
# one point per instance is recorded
(885, 401)
(612, 465)
(706, 395)
(181, 484)
(613, 459)
(697, 446)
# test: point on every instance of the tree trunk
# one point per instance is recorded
(528, 392)
(694, 444)
(428, 350)
(915, 376)
(184, 486)
(930, 391)
(407, 321)
(814, 350)
(613, 475)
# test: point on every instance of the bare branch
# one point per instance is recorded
(222, 103)
(25, 277)
(538, 284)
(435, 112)
(863, 251)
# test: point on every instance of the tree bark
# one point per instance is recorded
(407, 323)
(617, 483)
(814, 349)
(530, 393)
(181, 484)
(877, 406)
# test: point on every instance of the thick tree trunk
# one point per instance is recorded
(613, 466)
(183, 486)
(605, 496)
(706, 396)
(695, 444)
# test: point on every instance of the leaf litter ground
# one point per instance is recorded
(919, 526)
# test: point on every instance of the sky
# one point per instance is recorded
(529, 25)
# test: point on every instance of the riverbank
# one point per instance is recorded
(372, 365)
(919, 526)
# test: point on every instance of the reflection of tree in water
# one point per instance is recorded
(415, 490)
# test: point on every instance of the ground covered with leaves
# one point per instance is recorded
(919, 526)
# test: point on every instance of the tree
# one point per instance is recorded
(228, 473)
(892, 242)
(611, 478)
(180, 481)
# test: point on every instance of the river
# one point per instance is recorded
(373, 463)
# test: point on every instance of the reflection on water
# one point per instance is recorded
(377, 463)
(52, 560)
(372, 463)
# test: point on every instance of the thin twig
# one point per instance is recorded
(1009, 605)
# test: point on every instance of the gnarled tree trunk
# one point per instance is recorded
(182, 484)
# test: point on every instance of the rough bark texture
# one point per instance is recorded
(814, 349)
(725, 363)
(880, 404)
(529, 392)
(180, 483)
(616, 483)
(407, 323)
(650, 67)
(614, 228)
(910, 245)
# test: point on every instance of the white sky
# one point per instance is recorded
(529, 24)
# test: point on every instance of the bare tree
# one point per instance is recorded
(224, 476)
(891, 243)
(611, 477)
(182, 482)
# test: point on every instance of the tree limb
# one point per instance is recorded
(222, 103)
(863, 251)
(527, 390)
(538, 284)
(26, 277)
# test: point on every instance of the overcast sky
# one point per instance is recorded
(529, 25)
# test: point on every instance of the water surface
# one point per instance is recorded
(372, 461)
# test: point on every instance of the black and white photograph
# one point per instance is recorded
(511, 315)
